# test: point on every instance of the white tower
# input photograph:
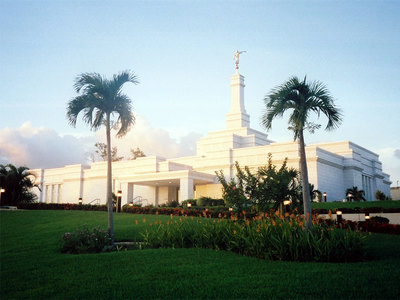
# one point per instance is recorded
(237, 117)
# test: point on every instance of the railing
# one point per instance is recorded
(138, 200)
(97, 201)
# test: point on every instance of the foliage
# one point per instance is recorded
(268, 238)
(356, 194)
(302, 98)
(267, 188)
(208, 201)
(232, 194)
(61, 206)
(99, 100)
(84, 240)
(101, 152)
(376, 226)
(193, 202)
(379, 219)
(137, 153)
(17, 183)
(173, 203)
(380, 196)
(314, 193)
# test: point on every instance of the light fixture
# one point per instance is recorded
(287, 202)
(339, 216)
(1, 191)
(189, 205)
(367, 217)
(230, 209)
(130, 203)
(119, 193)
(324, 196)
(80, 201)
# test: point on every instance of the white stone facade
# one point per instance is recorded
(333, 167)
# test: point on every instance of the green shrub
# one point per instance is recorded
(378, 219)
(380, 196)
(84, 240)
(267, 187)
(267, 238)
(173, 203)
(191, 201)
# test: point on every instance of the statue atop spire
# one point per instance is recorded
(236, 58)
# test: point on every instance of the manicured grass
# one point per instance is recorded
(33, 268)
(352, 205)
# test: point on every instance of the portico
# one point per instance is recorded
(161, 187)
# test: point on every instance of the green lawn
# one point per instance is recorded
(33, 268)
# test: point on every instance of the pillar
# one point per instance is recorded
(186, 189)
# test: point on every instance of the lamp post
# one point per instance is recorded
(349, 197)
(286, 204)
(1, 192)
(324, 196)
(339, 216)
(80, 201)
(119, 198)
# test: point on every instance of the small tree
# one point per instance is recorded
(101, 152)
(137, 153)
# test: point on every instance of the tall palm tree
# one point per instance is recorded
(99, 100)
(302, 98)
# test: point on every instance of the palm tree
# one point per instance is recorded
(17, 183)
(99, 100)
(314, 193)
(302, 98)
(356, 194)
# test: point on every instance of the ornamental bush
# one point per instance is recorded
(84, 240)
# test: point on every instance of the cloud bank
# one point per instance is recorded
(38, 147)
(152, 141)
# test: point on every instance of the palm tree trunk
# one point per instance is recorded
(305, 186)
(109, 181)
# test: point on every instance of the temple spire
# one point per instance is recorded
(237, 116)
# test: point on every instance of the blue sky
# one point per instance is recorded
(182, 52)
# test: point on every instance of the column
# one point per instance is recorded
(186, 189)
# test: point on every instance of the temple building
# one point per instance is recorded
(333, 167)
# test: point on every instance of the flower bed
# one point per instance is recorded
(370, 226)
(61, 206)
(272, 237)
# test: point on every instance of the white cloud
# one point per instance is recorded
(38, 147)
(390, 158)
(152, 141)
